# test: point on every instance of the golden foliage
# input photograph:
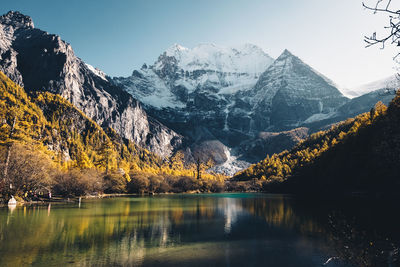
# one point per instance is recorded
(57, 128)
(279, 167)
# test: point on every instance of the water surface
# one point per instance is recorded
(196, 230)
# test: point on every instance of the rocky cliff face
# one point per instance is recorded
(290, 94)
(40, 61)
(232, 95)
(193, 90)
(224, 101)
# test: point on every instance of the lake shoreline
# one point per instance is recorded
(172, 229)
(299, 197)
(75, 199)
(63, 200)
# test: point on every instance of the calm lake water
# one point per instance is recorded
(199, 230)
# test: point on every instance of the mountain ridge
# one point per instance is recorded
(360, 154)
(289, 82)
(188, 98)
(209, 105)
(44, 62)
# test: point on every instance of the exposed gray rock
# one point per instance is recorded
(290, 94)
(40, 61)
(209, 93)
(230, 103)
(193, 90)
(210, 150)
(268, 143)
(365, 102)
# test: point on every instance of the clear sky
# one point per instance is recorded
(119, 36)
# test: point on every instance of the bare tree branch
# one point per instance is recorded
(393, 36)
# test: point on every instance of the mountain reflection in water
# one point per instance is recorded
(200, 230)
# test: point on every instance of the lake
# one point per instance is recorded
(241, 229)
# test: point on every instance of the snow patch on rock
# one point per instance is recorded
(247, 58)
(232, 165)
(97, 71)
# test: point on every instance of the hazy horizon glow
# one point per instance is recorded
(119, 37)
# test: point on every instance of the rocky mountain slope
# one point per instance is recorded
(236, 105)
(389, 83)
(231, 95)
(365, 102)
(290, 94)
(50, 124)
(360, 154)
(268, 143)
(230, 104)
(180, 75)
(193, 90)
(41, 61)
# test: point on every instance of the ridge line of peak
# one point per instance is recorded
(16, 19)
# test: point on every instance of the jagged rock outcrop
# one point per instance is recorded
(40, 61)
(224, 101)
(192, 90)
(232, 95)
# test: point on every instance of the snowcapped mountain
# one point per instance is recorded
(179, 72)
(212, 101)
(290, 93)
(365, 102)
(214, 94)
(197, 85)
(390, 83)
(246, 58)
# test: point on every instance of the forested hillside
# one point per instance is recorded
(359, 154)
(47, 143)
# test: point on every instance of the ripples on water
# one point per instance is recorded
(200, 230)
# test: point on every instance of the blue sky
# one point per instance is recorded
(119, 36)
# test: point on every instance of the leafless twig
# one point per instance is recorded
(392, 37)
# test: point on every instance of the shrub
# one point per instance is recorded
(28, 171)
(216, 186)
(78, 182)
(138, 184)
(184, 184)
(115, 183)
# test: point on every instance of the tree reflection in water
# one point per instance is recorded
(198, 230)
(360, 247)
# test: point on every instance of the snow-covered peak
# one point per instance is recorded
(174, 50)
(286, 53)
(287, 56)
(391, 82)
(285, 63)
(247, 58)
(281, 67)
(295, 80)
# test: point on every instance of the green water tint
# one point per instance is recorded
(181, 230)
